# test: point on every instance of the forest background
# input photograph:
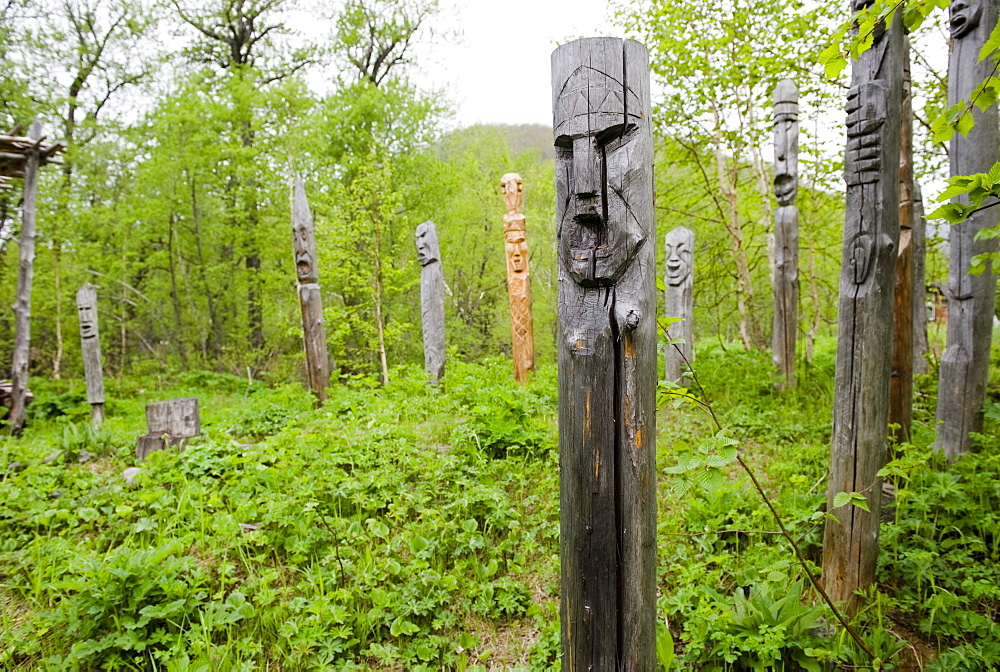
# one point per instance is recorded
(185, 122)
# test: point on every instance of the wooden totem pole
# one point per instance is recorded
(431, 299)
(678, 279)
(965, 363)
(901, 378)
(310, 298)
(607, 354)
(518, 278)
(786, 230)
(864, 335)
(90, 344)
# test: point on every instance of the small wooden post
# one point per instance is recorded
(864, 335)
(171, 423)
(678, 278)
(607, 354)
(786, 231)
(431, 299)
(901, 378)
(310, 298)
(518, 278)
(965, 363)
(25, 275)
(90, 344)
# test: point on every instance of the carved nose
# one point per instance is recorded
(586, 168)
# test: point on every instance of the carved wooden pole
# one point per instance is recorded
(864, 335)
(25, 275)
(431, 299)
(678, 279)
(901, 377)
(518, 278)
(310, 298)
(965, 363)
(607, 354)
(786, 230)
(90, 344)
(919, 243)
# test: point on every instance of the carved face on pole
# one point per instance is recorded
(517, 250)
(596, 131)
(305, 266)
(963, 17)
(679, 253)
(513, 192)
(786, 125)
(88, 320)
(427, 244)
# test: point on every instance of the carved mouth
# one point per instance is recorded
(588, 219)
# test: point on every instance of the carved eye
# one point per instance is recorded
(612, 133)
(564, 142)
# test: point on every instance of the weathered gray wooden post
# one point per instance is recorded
(518, 278)
(90, 344)
(607, 354)
(678, 279)
(170, 423)
(25, 275)
(786, 230)
(965, 363)
(901, 376)
(919, 243)
(864, 334)
(431, 299)
(310, 297)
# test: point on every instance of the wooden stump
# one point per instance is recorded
(310, 299)
(518, 278)
(90, 345)
(678, 280)
(607, 354)
(171, 423)
(431, 299)
(971, 298)
(864, 334)
(786, 231)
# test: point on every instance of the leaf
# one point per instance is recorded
(852, 498)
(664, 647)
(965, 124)
(955, 213)
(992, 43)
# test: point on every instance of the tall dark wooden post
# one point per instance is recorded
(25, 275)
(918, 240)
(786, 231)
(864, 334)
(607, 354)
(431, 299)
(965, 363)
(310, 297)
(678, 299)
(90, 345)
(901, 378)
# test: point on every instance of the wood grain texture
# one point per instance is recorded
(786, 231)
(607, 354)
(518, 278)
(918, 240)
(901, 377)
(310, 297)
(864, 334)
(90, 346)
(170, 423)
(431, 299)
(678, 293)
(25, 276)
(965, 363)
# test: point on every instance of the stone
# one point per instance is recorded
(130, 475)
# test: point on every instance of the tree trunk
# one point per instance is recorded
(22, 299)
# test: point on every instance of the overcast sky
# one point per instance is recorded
(497, 71)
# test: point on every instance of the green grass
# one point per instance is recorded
(415, 526)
